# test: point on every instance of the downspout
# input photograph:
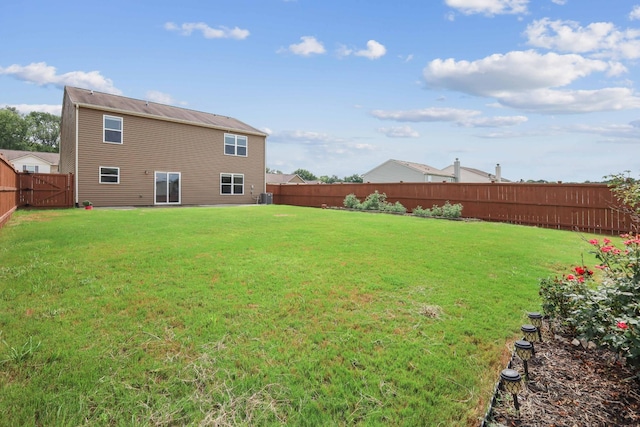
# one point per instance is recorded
(76, 159)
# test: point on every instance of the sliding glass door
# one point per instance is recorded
(167, 189)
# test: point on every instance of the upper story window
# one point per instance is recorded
(113, 129)
(109, 175)
(30, 168)
(235, 145)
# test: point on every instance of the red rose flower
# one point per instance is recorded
(623, 325)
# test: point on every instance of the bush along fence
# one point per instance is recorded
(588, 208)
(377, 202)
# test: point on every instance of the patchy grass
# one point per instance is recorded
(261, 315)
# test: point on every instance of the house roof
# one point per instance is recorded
(51, 158)
(116, 103)
(490, 176)
(424, 169)
(282, 178)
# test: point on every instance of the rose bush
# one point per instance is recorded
(603, 310)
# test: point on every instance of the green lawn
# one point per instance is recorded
(261, 315)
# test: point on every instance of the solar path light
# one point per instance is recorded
(524, 350)
(510, 380)
(530, 334)
(536, 320)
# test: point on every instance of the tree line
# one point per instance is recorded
(308, 176)
(36, 131)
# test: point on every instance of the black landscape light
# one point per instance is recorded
(510, 380)
(524, 350)
(536, 320)
(530, 334)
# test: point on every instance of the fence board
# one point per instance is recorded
(8, 190)
(583, 207)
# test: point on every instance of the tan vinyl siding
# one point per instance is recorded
(151, 145)
(67, 136)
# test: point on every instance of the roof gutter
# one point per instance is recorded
(168, 119)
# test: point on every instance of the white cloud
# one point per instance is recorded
(600, 39)
(42, 108)
(618, 131)
(426, 115)
(525, 80)
(159, 97)
(308, 46)
(517, 71)
(42, 74)
(306, 137)
(560, 2)
(343, 51)
(374, 50)
(489, 7)
(572, 101)
(399, 132)
(465, 118)
(494, 122)
(635, 13)
(207, 32)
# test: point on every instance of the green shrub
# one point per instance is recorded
(396, 207)
(374, 201)
(451, 211)
(351, 201)
(446, 211)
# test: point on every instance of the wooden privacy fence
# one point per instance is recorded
(8, 190)
(33, 190)
(583, 207)
(45, 190)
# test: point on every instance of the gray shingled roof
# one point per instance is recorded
(281, 178)
(51, 158)
(90, 98)
(423, 168)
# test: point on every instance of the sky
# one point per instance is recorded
(545, 88)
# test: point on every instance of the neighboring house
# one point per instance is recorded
(401, 171)
(466, 174)
(284, 178)
(32, 161)
(130, 152)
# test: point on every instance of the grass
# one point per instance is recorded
(263, 315)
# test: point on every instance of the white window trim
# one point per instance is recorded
(235, 137)
(100, 174)
(155, 189)
(106, 116)
(233, 175)
(25, 168)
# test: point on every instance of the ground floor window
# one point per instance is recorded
(167, 188)
(109, 175)
(30, 168)
(232, 183)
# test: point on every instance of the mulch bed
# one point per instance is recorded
(571, 386)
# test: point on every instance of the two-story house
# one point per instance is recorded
(130, 152)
